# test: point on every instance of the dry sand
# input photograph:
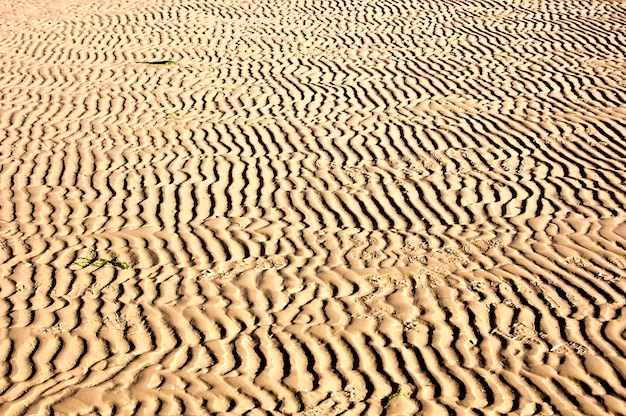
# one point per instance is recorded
(327, 207)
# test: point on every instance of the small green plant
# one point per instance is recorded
(173, 116)
(158, 62)
(99, 262)
(398, 393)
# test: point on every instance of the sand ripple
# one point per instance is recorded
(326, 207)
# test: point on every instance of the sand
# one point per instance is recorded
(312, 207)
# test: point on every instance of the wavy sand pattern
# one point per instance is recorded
(328, 207)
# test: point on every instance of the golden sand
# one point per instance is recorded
(312, 207)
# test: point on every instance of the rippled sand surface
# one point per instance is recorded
(312, 207)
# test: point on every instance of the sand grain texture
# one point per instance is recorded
(327, 207)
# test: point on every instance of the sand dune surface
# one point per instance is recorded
(312, 207)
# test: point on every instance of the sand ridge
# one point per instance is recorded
(325, 207)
